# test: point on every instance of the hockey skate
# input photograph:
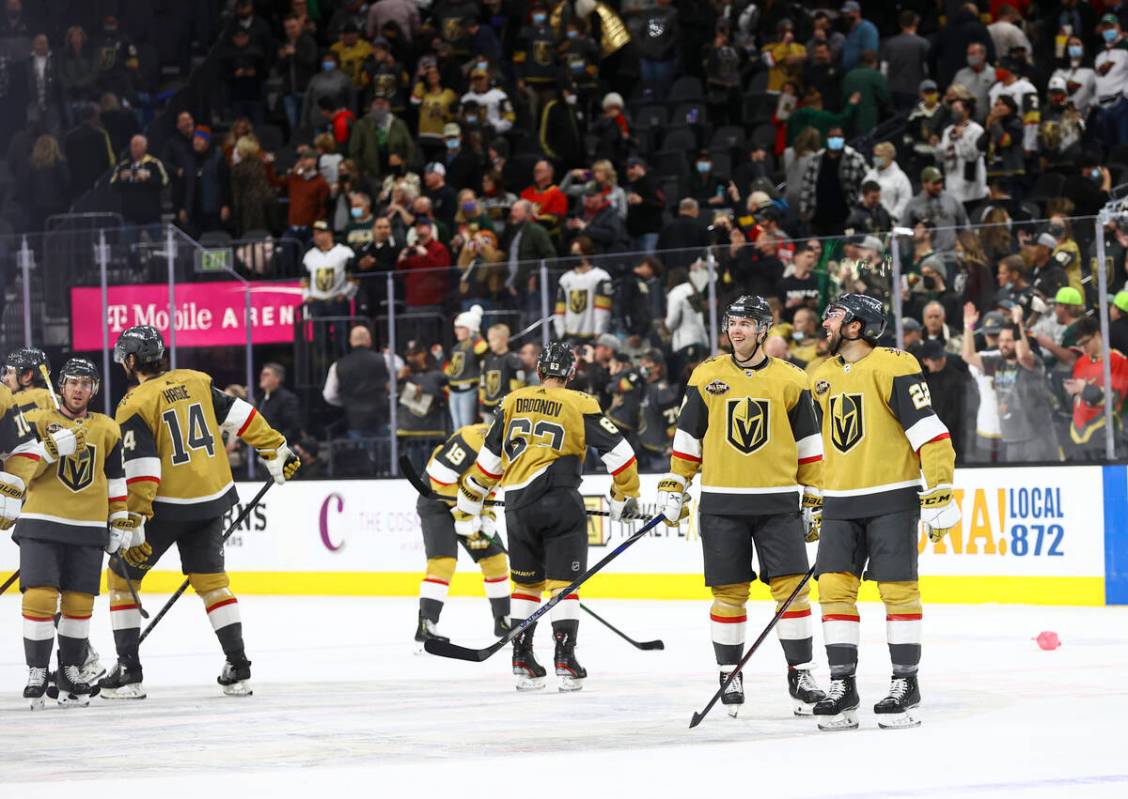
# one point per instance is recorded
(501, 626)
(733, 696)
(123, 682)
(425, 631)
(235, 678)
(839, 711)
(36, 687)
(568, 669)
(529, 673)
(805, 692)
(73, 692)
(92, 668)
(897, 711)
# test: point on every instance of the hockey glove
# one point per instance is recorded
(623, 508)
(127, 530)
(471, 496)
(12, 490)
(138, 557)
(281, 463)
(812, 513)
(63, 442)
(939, 511)
(673, 502)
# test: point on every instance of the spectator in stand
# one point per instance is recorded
(944, 212)
(525, 243)
(483, 274)
(799, 287)
(498, 111)
(925, 124)
(381, 144)
(645, 204)
(120, 123)
(1118, 322)
(118, 65)
(872, 90)
(1111, 66)
(904, 59)
(1047, 273)
(685, 320)
(1086, 387)
(602, 174)
(822, 74)
(427, 263)
(330, 82)
(657, 50)
(444, 199)
(421, 418)
(977, 77)
(495, 200)
(1059, 338)
(374, 259)
(243, 69)
(1080, 80)
(336, 118)
(831, 183)
(329, 287)
(550, 204)
(78, 72)
(599, 222)
(1026, 103)
(1022, 393)
(463, 167)
(869, 215)
(352, 52)
(88, 150)
(785, 57)
(436, 103)
(722, 62)
(309, 197)
(583, 296)
(796, 159)
(358, 383)
(810, 114)
(936, 327)
(257, 28)
(640, 301)
(1004, 142)
(952, 43)
(139, 179)
(804, 335)
(252, 189)
(685, 236)
(404, 14)
(861, 35)
(612, 130)
(463, 369)
(278, 405)
(949, 385)
(297, 64)
(358, 232)
(177, 155)
(45, 187)
(824, 32)
(46, 106)
(205, 204)
(896, 189)
(962, 158)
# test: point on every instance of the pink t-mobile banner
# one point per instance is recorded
(206, 315)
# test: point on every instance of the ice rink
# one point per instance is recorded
(344, 707)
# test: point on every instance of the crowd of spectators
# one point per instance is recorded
(631, 151)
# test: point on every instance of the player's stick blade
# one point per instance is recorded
(445, 649)
(651, 645)
(697, 717)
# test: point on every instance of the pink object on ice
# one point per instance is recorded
(1048, 640)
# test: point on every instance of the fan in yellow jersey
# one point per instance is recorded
(62, 532)
(534, 450)
(445, 468)
(880, 434)
(179, 480)
(23, 376)
(748, 423)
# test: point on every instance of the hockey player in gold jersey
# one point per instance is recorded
(62, 532)
(748, 424)
(445, 468)
(889, 465)
(23, 375)
(534, 450)
(179, 480)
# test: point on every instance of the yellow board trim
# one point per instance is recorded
(934, 589)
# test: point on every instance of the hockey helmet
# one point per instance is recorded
(143, 341)
(28, 359)
(750, 306)
(557, 360)
(870, 311)
(79, 368)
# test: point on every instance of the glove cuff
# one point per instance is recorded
(12, 485)
(676, 478)
(119, 515)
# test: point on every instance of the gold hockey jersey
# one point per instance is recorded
(753, 434)
(71, 500)
(29, 399)
(19, 449)
(175, 462)
(454, 457)
(538, 442)
(879, 433)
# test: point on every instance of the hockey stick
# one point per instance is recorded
(121, 564)
(8, 583)
(698, 717)
(408, 471)
(230, 530)
(448, 650)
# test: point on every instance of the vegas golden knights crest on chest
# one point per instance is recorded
(748, 423)
(542, 52)
(493, 382)
(324, 279)
(847, 424)
(452, 29)
(577, 300)
(76, 471)
(457, 362)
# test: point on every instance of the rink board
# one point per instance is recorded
(1029, 535)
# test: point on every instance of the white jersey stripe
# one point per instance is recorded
(237, 416)
(924, 431)
(748, 490)
(618, 457)
(142, 467)
(441, 473)
(43, 517)
(810, 447)
(687, 444)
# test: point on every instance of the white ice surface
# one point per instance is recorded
(342, 707)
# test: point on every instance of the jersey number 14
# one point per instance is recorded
(199, 437)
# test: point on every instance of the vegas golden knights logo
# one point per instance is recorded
(452, 29)
(76, 471)
(324, 279)
(542, 52)
(493, 383)
(748, 423)
(578, 300)
(847, 425)
(457, 362)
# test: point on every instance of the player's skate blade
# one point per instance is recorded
(73, 692)
(35, 688)
(568, 669)
(839, 711)
(898, 710)
(804, 691)
(235, 678)
(92, 669)
(123, 682)
(733, 697)
(425, 631)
